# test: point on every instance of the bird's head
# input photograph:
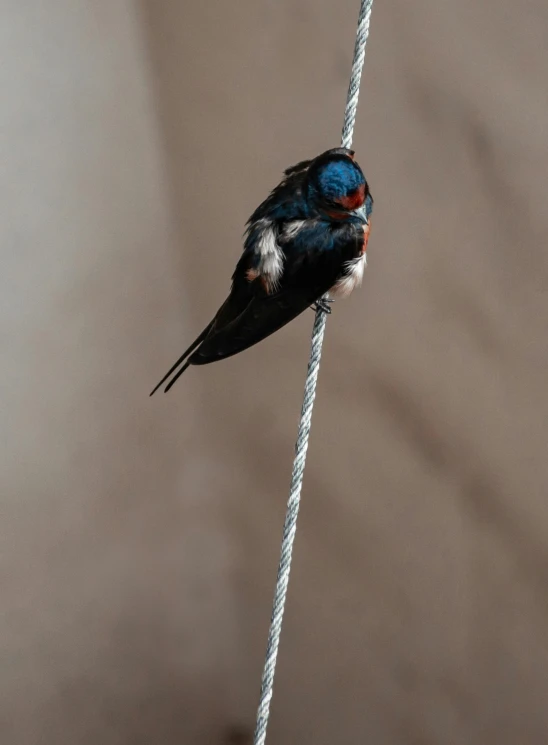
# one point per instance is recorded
(335, 184)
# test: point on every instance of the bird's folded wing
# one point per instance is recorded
(262, 317)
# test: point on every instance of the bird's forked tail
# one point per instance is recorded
(182, 358)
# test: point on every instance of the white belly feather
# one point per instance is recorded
(352, 277)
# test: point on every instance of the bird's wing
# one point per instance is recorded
(314, 259)
(260, 319)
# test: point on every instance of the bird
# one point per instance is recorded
(304, 246)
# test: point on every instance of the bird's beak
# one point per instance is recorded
(362, 214)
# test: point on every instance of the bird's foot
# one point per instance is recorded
(323, 305)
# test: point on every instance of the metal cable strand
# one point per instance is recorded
(356, 75)
(290, 524)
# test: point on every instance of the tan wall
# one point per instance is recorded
(140, 536)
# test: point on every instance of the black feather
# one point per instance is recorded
(297, 168)
(185, 354)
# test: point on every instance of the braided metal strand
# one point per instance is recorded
(290, 527)
(356, 75)
(290, 524)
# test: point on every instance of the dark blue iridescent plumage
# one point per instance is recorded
(307, 238)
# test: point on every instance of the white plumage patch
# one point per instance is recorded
(271, 259)
(352, 277)
(292, 228)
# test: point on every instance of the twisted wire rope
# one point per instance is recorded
(301, 446)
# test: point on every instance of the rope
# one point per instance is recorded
(290, 524)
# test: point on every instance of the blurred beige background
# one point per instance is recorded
(140, 536)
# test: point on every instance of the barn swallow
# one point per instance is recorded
(308, 238)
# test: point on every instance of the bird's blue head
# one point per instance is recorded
(336, 184)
